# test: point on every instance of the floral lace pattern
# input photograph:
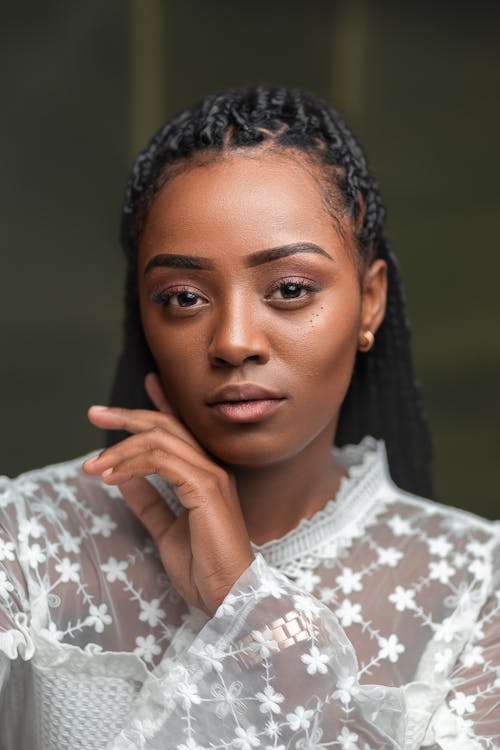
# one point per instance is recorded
(373, 624)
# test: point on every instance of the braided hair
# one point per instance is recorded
(383, 398)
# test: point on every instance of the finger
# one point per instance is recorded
(154, 442)
(156, 393)
(140, 420)
(131, 420)
(193, 484)
(149, 507)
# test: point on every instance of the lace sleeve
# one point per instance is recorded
(272, 669)
(469, 718)
(15, 640)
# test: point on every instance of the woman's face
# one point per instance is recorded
(272, 298)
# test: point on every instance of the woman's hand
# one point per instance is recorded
(207, 548)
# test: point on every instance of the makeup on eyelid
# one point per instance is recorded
(162, 295)
(297, 270)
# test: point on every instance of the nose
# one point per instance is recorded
(236, 336)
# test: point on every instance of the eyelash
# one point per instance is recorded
(162, 296)
(310, 288)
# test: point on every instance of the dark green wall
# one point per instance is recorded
(85, 83)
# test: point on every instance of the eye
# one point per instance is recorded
(183, 296)
(183, 299)
(292, 289)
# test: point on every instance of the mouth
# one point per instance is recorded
(244, 402)
(246, 411)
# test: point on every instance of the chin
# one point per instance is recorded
(245, 453)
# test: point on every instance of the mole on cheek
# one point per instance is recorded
(315, 315)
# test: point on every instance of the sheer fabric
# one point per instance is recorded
(373, 624)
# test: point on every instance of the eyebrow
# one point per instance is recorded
(198, 262)
(274, 253)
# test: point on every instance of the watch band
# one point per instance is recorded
(286, 631)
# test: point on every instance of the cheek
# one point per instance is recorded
(164, 345)
(178, 357)
(323, 347)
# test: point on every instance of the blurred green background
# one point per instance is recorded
(84, 86)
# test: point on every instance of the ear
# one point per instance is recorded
(374, 297)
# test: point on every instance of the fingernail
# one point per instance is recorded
(107, 473)
(93, 459)
(99, 408)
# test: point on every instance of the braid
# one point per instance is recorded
(383, 398)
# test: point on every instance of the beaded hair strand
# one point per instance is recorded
(383, 399)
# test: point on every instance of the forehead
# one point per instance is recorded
(238, 203)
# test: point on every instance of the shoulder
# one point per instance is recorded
(405, 514)
(52, 495)
(446, 547)
(455, 521)
(450, 547)
(59, 471)
(403, 506)
(65, 477)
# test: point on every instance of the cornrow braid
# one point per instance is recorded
(383, 398)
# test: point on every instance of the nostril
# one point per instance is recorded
(236, 362)
(235, 356)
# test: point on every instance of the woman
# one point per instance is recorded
(224, 577)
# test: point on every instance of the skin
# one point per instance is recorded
(234, 324)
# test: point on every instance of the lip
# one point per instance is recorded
(242, 392)
(247, 411)
(246, 402)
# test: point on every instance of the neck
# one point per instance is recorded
(275, 498)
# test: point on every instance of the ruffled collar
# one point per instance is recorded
(344, 516)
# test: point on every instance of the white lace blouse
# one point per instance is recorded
(373, 624)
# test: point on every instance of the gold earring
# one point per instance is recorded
(367, 342)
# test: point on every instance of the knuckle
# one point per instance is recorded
(157, 431)
(224, 480)
(213, 482)
(157, 454)
(194, 492)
